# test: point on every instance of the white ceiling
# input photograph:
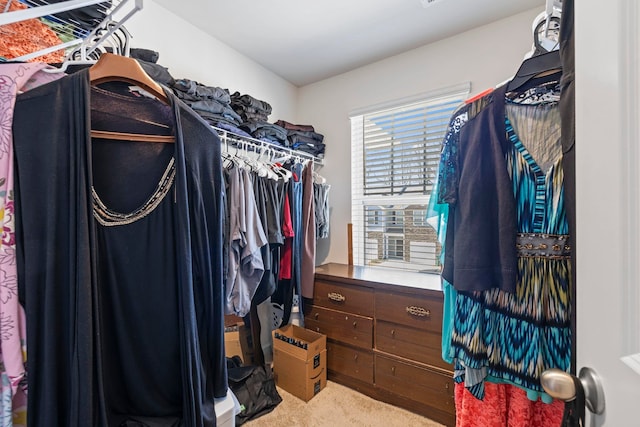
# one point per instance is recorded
(306, 41)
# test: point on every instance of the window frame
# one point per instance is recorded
(363, 230)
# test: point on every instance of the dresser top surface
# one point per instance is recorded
(383, 276)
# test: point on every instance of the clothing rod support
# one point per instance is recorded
(38, 11)
(259, 145)
(48, 50)
(106, 24)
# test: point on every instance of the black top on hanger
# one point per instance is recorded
(536, 66)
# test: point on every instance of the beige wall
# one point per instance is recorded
(484, 56)
(190, 53)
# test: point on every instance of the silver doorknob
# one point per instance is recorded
(562, 385)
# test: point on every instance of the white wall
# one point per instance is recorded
(484, 56)
(192, 54)
(607, 77)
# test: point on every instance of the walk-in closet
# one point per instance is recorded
(375, 213)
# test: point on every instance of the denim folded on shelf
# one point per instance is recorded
(196, 91)
(224, 124)
(213, 119)
(157, 72)
(215, 107)
(250, 101)
(265, 128)
(253, 117)
(249, 109)
(291, 126)
(305, 136)
(316, 148)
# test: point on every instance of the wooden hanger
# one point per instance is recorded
(112, 67)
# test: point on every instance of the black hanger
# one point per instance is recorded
(536, 66)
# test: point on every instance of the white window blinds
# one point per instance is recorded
(395, 157)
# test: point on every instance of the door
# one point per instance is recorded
(608, 202)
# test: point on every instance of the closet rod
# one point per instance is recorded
(38, 11)
(259, 144)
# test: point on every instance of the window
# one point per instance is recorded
(419, 218)
(394, 247)
(395, 156)
(373, 216)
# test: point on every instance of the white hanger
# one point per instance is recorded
(548, 39)
(269, 171)
(277, 168)
(319, 179)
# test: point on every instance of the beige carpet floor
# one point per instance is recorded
(338, 406)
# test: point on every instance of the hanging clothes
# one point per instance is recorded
(308, 227)
(539, 307)
(567, 114)
(246, 239)
(321, 203)
(296, 199)
(288, 233)
(14, 78)
(282, 299)
(270, 205)
(288, 263)
(504, 406)
(289, 286)
(519, 351)
(80, 255)
(481, 231)
(438, 213)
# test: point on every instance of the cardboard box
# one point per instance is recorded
(246, 343)
(232, 341)
(298, 370)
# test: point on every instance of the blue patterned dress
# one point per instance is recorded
(513, 337)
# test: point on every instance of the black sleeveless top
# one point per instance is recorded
(120, 259)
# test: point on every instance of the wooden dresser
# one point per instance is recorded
(383, 337)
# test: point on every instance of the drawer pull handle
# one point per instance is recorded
(418, 311)
(393, 332)
(355, 358)
(316, 316)
(334, 296)
(393, 370)
(355, 324)
(446, 385)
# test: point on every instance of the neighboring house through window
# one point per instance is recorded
(395, 155)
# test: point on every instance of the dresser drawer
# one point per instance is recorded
(352, 299)
(415, 383)
(350, 361)
(410, 343)
(341, 326)
(420, 312)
